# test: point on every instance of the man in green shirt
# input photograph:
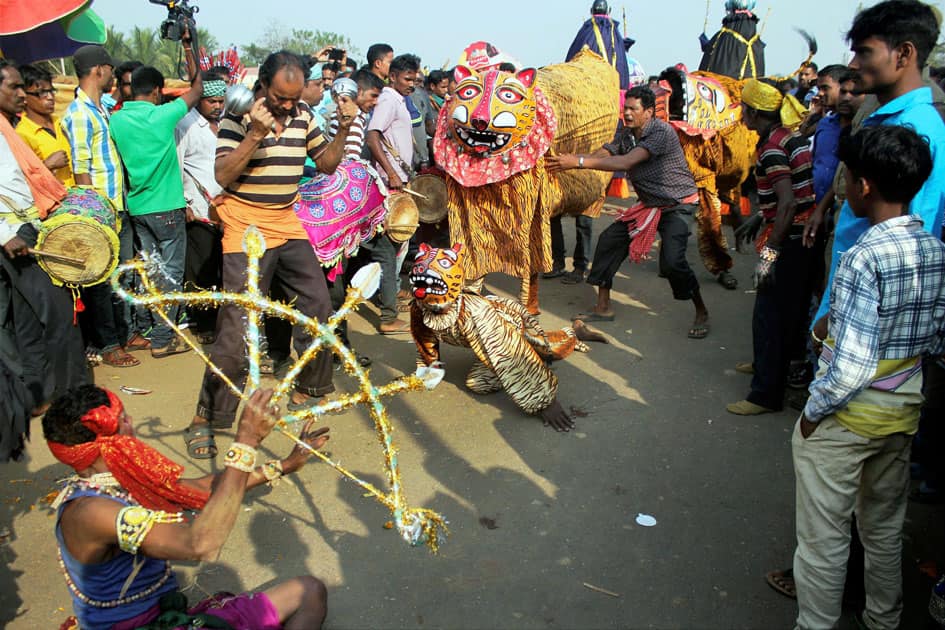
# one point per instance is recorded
(143, 131)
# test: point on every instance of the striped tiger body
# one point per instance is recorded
(512, 348)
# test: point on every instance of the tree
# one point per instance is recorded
(937, 57)
(301, 41)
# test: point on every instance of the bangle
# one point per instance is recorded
(769, 254)
(580, 161)
(241, 457)
(272, 471)
(814, 336)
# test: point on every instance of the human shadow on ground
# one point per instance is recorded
(24, 493)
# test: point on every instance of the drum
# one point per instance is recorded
(340, 211)
(403, 218)
(432, 206)
(84, 227)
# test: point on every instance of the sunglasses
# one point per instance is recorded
(42, 93)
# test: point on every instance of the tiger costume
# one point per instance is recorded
(511, 346)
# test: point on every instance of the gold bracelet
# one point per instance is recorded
(814, 336)
(241, 457)
(272, 471)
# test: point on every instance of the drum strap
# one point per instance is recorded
(20, 213)
(396, 155)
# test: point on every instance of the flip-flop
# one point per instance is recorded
(200, 438)
(782, 582)
(699, 331)
(308, 403)
(727, 280)
(595, 317)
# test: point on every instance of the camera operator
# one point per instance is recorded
(143, 131)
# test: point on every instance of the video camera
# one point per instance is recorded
(180, 16)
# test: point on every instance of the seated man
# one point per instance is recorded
(119, 520)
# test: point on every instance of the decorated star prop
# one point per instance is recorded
(416, 525)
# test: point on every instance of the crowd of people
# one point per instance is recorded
(849, 308)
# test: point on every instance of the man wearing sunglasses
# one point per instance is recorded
(39, 127)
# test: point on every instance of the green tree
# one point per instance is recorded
(306, 42)
(937, 57)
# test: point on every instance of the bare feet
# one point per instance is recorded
(556, 417)
(585, 333)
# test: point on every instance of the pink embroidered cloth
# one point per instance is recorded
(341, 211)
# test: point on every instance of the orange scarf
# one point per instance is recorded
(47, 191)
(152, 479)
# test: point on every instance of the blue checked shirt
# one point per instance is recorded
(888, 302)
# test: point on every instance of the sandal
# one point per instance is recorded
(205, 338)
(782, 582)
(119, 358)
(137, 342)
(699, 331)
(727, 280)
(308, 403)
(200, 442)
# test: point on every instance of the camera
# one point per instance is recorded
(180, 17)
(336, 54)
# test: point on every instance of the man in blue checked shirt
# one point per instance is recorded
(852, 443)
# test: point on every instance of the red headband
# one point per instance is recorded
(151, 478)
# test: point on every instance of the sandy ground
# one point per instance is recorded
(536, 518)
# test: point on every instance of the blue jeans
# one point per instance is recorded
(164, 234)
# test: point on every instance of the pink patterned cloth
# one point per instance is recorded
(472, 170)
(340, 211)
(247, 611)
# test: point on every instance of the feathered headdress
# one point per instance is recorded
(228, 59)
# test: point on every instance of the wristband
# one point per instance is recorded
(241, 457)
(769, 254)
(580, 161)
(272, 471)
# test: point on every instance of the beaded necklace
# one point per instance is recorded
(106, 484)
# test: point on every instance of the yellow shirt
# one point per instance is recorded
(43, 143)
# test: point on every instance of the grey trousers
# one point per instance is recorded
(295, 269)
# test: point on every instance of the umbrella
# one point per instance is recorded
(33, 31)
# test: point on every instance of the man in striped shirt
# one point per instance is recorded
(259, 161)
(369, 89)
(784, 173)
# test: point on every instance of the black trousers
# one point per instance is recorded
(203, 269)
(780, 312)
(294, 268)
(675, 226)
(582, 242)
(50, 347)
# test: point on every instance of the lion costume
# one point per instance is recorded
(491, 139)
(510, 345)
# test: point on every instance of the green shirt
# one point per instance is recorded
(144, 135)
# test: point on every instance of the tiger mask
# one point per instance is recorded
(493, 111)
(437, 277)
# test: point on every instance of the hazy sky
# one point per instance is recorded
(537, 33)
